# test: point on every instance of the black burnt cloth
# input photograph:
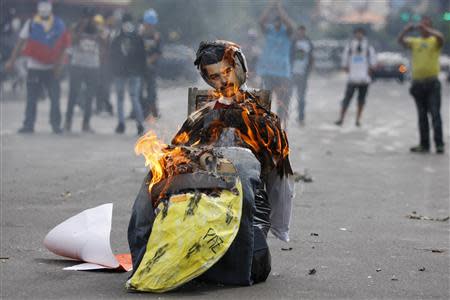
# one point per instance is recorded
(205, 126)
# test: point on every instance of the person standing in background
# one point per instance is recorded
(152, 44)
(103, 83)
(358, 59)
(302, 62)
(43, 40)
(274, 65)
(426, 87)
(128, 67)
(84, 67)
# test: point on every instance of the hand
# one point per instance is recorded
(410, 27)
(279, 4)
(9, 66)
(422, 26)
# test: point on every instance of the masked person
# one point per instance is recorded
(426, 87)
(128, 66)
(246, 133)
(152, 44)
(274, 65)
(102, 94)
(43, 40)
(87, 45)
(357, 60)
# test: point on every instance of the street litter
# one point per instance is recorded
(394, 278)
(437, 250)
(86, 237)
(314, 234)
(415, 216)
(66, 194)
(434, 250)
(378, 270)
(287, 249)
(312, 271)
(305, 177)
(421, 269)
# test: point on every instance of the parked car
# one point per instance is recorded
(444, 61)
(391, 65)
(177, 63)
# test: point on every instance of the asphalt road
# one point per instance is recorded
(365, 184)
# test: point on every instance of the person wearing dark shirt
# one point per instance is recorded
(152, 44)
(128, 67)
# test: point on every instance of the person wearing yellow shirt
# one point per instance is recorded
(425, 88)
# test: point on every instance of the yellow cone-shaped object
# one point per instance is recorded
(190, 234)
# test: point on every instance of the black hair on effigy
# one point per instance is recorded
(209, 53)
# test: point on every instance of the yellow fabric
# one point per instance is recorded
(47, 24)
(425, 57)
(189, 235)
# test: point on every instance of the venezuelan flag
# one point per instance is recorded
(47, 40)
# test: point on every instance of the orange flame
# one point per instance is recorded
(162, 159)
(151, 148)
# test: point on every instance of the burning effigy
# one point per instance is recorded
(212, 196)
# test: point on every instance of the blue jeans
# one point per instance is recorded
(301, 84)
(134, 88)
(36, 80)
(149, 102)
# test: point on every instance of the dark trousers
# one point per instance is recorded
(350, 91)
(36, 80)
(149, 95)
(103, 91)
(427, 95)
(78, 76)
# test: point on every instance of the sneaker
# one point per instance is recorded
(25, 130)
(338, 122)
(87, 129)
(67, 127)
(120, 128)
(358, 124)
(440, 149)
(131, 116)
(57, 130)
(140, 129)
(419, 149)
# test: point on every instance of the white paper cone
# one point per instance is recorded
(85, 237)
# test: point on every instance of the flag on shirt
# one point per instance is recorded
(47, 39)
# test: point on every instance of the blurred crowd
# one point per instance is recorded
(121, 53)
(97, 55)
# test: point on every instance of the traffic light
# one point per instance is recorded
(405, 16)
(446, 16)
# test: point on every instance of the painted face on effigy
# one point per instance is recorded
(222, 77)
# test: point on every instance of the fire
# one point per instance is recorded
(182, 138)
(258, 129)
(152, 149)
(162, 159)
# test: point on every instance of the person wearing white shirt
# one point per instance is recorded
(358, 59)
